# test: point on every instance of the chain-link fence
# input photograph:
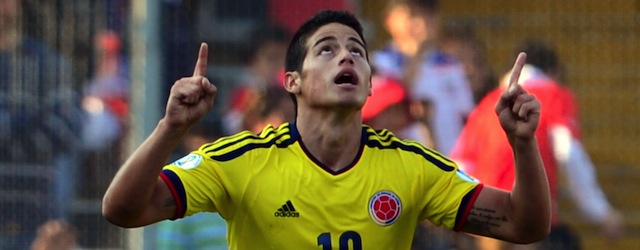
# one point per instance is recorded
(62, 63)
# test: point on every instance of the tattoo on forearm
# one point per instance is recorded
(484, 219)
(169, 202)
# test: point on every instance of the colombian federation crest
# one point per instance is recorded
(385, 208)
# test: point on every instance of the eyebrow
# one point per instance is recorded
(357, 41)
(327, 38)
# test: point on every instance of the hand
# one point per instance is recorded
(613, 225)
(191, 97)
(518, 111)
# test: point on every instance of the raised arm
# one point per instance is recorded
(524, 214)
(583, 185)
(137, 196)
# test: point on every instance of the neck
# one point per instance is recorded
(332, 139)
(408, 47)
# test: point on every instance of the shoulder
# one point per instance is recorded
(388, 61)
(231, 147)
(385, 139)
(385, 142)
(441, 58)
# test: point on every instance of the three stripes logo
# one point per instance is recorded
(287, 210)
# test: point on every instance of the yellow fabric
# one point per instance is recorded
(274, 195)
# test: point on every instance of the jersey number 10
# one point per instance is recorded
(324, 240)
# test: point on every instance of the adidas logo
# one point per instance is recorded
(287, 210)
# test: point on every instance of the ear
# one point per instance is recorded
(292, 82)
(370, 85)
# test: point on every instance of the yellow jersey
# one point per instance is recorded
(275, 195)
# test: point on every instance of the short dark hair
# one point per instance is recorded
(416, 6)
(540, 54)
(298, 49)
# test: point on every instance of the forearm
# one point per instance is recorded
(530, 199)
(583, 185)
(131, 190)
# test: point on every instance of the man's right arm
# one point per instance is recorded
(137, 196)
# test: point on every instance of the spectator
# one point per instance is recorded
(388, 108)
(463, 44)
(40, 124)
(273, 107)
(433, 77)
(106, 103)
(56, 235)
(263, 62)
(560, 148)
(107, 95)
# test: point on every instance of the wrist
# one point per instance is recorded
(168, 128)
(523, 142)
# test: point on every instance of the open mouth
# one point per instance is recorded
(346, 77)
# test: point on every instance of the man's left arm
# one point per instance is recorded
(524, 214)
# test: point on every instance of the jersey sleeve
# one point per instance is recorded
(196, 183)
(449, 193)
(569, 113)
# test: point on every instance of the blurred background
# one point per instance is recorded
(84, 81)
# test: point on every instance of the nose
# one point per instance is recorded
(347, 57)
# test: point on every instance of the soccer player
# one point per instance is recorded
(326, 180)
(484, 152)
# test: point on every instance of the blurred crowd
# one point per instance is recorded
(432, 83)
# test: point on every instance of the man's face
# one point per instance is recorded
(335, 71)
(398, 21)
(404, 23)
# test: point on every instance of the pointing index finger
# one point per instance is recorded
(517, 68)
(201, 63)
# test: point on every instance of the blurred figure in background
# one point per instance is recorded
(437, 83)
(107, 94)
(106, 103)
(462, 43)
(561, 149)
(273, 107)
(389, 108)
(56, 235)
(40, 124)
(263, 67)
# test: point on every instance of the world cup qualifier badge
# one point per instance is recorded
(189, 161)
(385, 208)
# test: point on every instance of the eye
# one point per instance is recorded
(325, 50)
(356, 52)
